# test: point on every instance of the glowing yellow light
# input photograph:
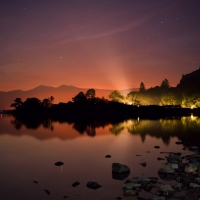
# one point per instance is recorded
(193, 106)
(192, 116)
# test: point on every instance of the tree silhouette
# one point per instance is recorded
(48, 102)
(116, 96)
(18, 103)
(90, 94)
(142, 87)
(80, 97)
(32, 104)
(165, 84)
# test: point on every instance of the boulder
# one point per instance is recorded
(190, 169)
(119, 168)
(166, 169)
(193, 148)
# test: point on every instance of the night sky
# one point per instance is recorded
(109, 44)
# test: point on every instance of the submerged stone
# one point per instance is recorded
(119, 168)
(47, 191)
(59, 163)
(75, 184)
(93, 185)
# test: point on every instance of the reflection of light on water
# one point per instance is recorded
(138, 119)
(193, 117)
(1, 115)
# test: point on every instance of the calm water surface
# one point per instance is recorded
(28, 152)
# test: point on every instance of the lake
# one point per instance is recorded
(30, 148)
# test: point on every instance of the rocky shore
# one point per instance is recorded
(182, 173)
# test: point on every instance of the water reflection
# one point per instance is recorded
(186, 129)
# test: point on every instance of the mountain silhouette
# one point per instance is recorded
(63, 93)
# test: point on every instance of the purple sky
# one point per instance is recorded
(110, 44)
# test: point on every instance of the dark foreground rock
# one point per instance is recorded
(59, 163)
(75, 184)
(93, 185)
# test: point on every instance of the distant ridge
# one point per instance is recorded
(62, 93)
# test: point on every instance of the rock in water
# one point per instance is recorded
(118, 168)
(59, 163)
(156, 147)
(166, 169)
(35, 182)
(75, 184)
(108, 156)
(47, 191)
(93, 185)
(144, 164)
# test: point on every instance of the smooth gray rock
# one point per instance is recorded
(173, 165)
(119, 168)
(194, 185)
(166, 169)
(131, 186)
(194, 148)
(195, 164)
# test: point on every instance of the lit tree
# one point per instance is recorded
(116, 96)
(170, 99)
(135, 97)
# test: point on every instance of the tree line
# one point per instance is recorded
(163, 95)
